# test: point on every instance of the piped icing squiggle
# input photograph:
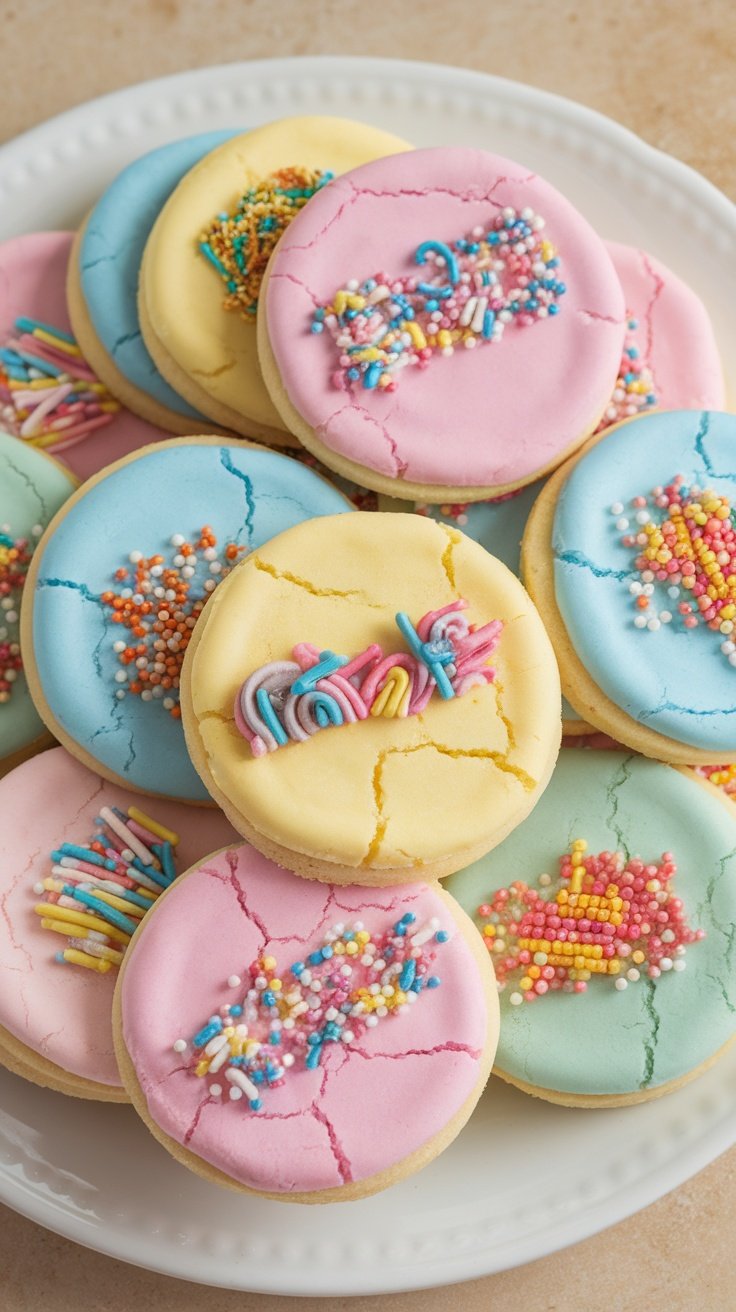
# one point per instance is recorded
(505, 274)
(349, 984)
(288, 701)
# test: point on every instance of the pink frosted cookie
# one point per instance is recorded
(62, 893)
(441, 324)
(299, 1040)
(670, 358)
(76, 419)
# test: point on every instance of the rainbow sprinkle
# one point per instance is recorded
(160, 607)
(347, 986)
(288, 701)
(505, 274)
(49, 396)
(634, 387)
(239, 245)
(686, 541)
(611, 915)
(98, 893)
(15, 557)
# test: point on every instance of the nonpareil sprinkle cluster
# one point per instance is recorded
(610, 916)
(49, 396)
(634, 388)
(15, 558)
(99, 891)
(723, 776)
(347, 986)
(506, 273)
(239, 245)
(160, 604)
(686, 542)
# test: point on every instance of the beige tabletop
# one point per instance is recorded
(666, 70)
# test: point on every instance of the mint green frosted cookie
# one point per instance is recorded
(32, 488)
(615, 945)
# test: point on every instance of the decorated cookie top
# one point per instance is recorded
(609, 915)
(302, 1037)
(394, 272)
(49, 395)
(644, 545)
(79, 869)
(209, 246)
(111, 251)
(32, 488)
(114, 613)
(370, 718)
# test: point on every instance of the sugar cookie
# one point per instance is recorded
(77, 420)
(32, 488)
(273, 1047)
(461, 428)
(206, 351)
(645, 654)
(161, 527)
(417, 768)
(610, 915)
(102, 284)
(56, 1019)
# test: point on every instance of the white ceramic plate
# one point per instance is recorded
(524, 1178)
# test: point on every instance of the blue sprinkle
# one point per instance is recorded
(353, 374)
(408, 919)
(406, 978)
(255, 1104)
(433, 982)
(237, 1010)
(213, 1027)
(319, 314)
(633, 352)
(372, 375)
(314, 958)
(317, 327)
(327, 952)
(553, 309)
(442, 936)
(297, 968)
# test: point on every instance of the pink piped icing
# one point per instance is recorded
(474, 419)
(366, 1107)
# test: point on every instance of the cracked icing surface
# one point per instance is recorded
(62, 1012)
(674, 681)
(33, 283)
(603, 1041)
(381, 794)
(471, 420)
(32, 489)
(183, 295)
(363, 1110)
(112, 249)
(245, 494)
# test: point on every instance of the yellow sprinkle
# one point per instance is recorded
(153, 826)
(51, 911)
(77, 958)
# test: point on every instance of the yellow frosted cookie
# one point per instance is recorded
(207, 352)
(408, 715)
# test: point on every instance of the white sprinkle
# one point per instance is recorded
(233, 980)
(180, 1045)
(621, 984)
(516, 999)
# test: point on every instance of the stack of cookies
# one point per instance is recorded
(329, 466)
